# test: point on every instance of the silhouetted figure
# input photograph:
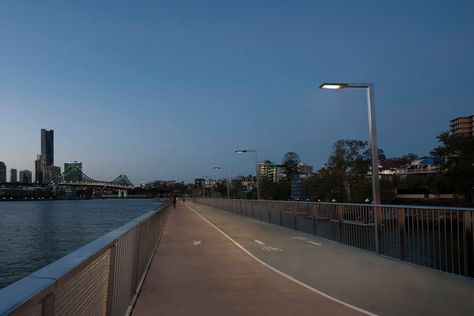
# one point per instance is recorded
(174, 201)
(184, 199)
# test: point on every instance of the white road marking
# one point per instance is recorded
(298, 238)
(259, 242)
(270, 248)
(315, 243)
(283, 274)
(196, 242)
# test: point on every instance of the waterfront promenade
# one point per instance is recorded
(211, 262)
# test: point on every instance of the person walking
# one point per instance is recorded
(174, 201)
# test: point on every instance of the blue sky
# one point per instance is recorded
(167, 89)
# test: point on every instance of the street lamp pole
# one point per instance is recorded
(241, 151)
(373, 148)
(228, 180)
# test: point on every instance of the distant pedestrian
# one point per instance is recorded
(184, 199)
(174, 201)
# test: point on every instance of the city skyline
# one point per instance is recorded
(126, 96)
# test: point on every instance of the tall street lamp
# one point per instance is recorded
(228, 180)
(241, 151)
(373, 146)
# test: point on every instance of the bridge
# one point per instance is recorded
(75, 177)
(244, 257)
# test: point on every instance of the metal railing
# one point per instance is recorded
(101, 278)
(440, 238)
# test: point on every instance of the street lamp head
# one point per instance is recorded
(333, 86)
(216, 168)
(240, 151)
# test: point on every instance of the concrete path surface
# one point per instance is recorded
(212, 262)
(378, 284)
(197, 270)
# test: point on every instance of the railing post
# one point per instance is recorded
(279, 213)
(295, 219)
(401, 232)
(468, 245)
(110, 291)
(378, 228)
(314, 215)
(269, 208)
(340, 217)
(48, 305)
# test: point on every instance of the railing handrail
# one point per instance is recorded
(20, 292)
(418, 207)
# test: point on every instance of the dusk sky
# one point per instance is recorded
(168, 89)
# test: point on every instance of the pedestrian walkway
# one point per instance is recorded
(198, 271)
(212, 262)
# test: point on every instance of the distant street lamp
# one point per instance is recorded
(228, 180)
(373, 146)
(241, 151)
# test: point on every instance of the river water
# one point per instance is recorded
(36, 233)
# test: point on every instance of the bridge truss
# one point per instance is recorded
(74, 176)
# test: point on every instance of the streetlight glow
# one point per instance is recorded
(333, 86)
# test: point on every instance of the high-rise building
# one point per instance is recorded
(13, 176)
(462, 126)
(3, 172)
(267, 171)
(26, 176)
(47, 146)
(39, 165)
(73, 171)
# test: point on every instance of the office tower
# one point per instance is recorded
(39, 165)
(462, 126)
(73, 171)
(13, 176)
(3, 172)
(26, 176)
(47, 146)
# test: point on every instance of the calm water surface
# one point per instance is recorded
(34, 234)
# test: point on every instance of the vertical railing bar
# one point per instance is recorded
(111, 280)
(433, 216)
(368, 228)
(439, 239)
(355, 218)
(452, 241)
(423, 237)
(445, 242)
(458, 242)
(401, 232)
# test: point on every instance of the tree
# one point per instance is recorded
(457, 154)
(291, 160)
(349, 162)
(275, 190)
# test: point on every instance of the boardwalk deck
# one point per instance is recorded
(198, 271)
